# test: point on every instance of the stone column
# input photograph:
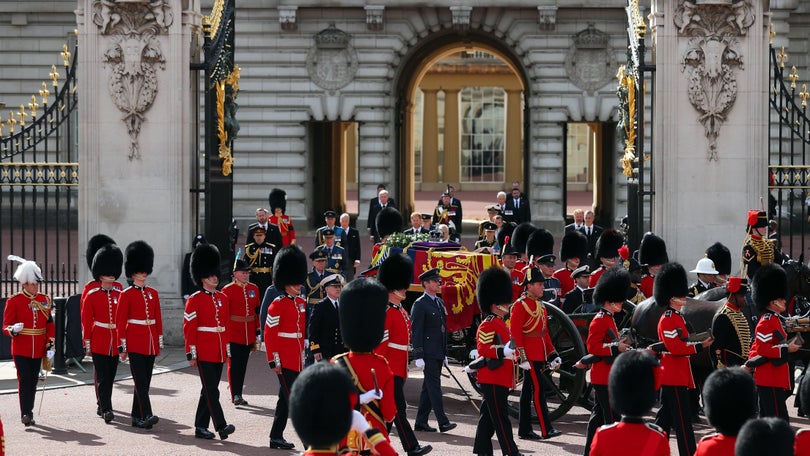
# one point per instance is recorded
(136, 134)
(709, 140)
(452, 148)
(514, 131)
(430, 138)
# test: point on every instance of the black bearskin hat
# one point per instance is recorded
(204, 263)
(729, 399)
(609, 243)
(520, 236)
(721, 256)
(396, 272)
(289, 267)
(612, 286)
(769, 283)
(632, 384)
(96, 242)
(505, 234)
(670, 282)
(574, 245)
(277, 198)
(388, 221)
(363, 303)
(540, 243)
(772, 436)
(107, 262)
(494, 287)
(139, 258)
(652, 251)
(321, 405)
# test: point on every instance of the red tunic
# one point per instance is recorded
(244, 323)
(595, 276)
(675, 367)
(34, 312)
(92, 285)
(600, 344)
(801, 446)
(138, 322)
(284, 331)
(528, 324)
(517, 283)
(205, 325)
(624, 437)
(767, 344)
(285, 225)
(716, 445)
(566, 281)
(360, 365)
(98, 320)
(396, 340)
(646, 285)
(487, 346)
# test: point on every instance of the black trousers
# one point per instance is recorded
(27, 378)
(141, 367)
(431, 395)
(104, 368)
(602, 413)
(772, 402)
(237, 366)
(676, 412)
(285, 381)
(494, 419)
(208, 407)
(533, 390)
(404, 430)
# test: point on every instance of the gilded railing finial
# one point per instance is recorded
(33, 106)
(54, 75)
(44, 92)
(65, 54)
(793, 76)
(804, 95)
(782, 57)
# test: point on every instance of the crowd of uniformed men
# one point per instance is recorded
(305, 317)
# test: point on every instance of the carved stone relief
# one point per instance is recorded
(332, 63)
(133, 56)
(711, 58)
(590, 63)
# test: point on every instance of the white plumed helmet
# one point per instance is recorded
(27, 271)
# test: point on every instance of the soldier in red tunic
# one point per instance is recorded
(652, 254)
(243, 327)
(27, 320)
(278, 216)
(395, 275)
(388, 221)
(98, 325)
(139, 329)
(284, 332)
(93, 245)
(519, 239)
(633, 386)
(603, 341)
(509, 258)
(205, 327)
(573, 250)
(769, 291)
(676, 379)
(606, 251)
(497, 375)
(730, 400)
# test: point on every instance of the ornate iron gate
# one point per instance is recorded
(39, 178)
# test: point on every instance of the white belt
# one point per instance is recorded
(290, 335)
(211, 329)
(104, 325)
(141, 322)
(398, 346)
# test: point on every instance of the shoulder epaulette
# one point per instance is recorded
(656, 428)
(93, 291)
(668, 313)
(490, 317)
(767, 316)
(709, 436)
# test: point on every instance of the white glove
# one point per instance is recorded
(508, 352)
(50, 354)
(160, 341)
(420, 363)
(555, 364)
(359, 422)
(474, 353)
(525, 365)
(446, 362)
(370, 395)
(467, 370)
(16, 328)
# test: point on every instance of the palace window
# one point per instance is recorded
(483, 122)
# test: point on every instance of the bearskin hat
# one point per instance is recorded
(204, 263)
(609, 243)
(670, 282)
(729, 399)
(769, 283)
(289, 267)
(574, 245)
(494, 287)
(277, 198)
(652, 251)
(721, 256)
(632, 384)
(363, 303)
(396, 272)
(540, 243)
(96, 242)
(520, 236)
(388, 221)
(107, 262)
(139, 257)
(27, 271)
(504, 235)
(321, 405)
(772, 436)
(612, 286)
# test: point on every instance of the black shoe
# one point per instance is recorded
(238, 400)
(447, 427)
(203, 433)
(225, 431)
(552, 433)
(150, 421)
(281, 444)
(531, 435)
(423, 427)
(108, 416)
(420, 450)
(28, 419)
(99, 412)
(139, 423)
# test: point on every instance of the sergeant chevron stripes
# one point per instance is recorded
(189, 316)
(671, 334)
(273, 321)
(764, 337)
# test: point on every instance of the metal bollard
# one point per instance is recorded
(59, 305)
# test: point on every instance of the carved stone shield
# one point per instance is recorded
(332, 62)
